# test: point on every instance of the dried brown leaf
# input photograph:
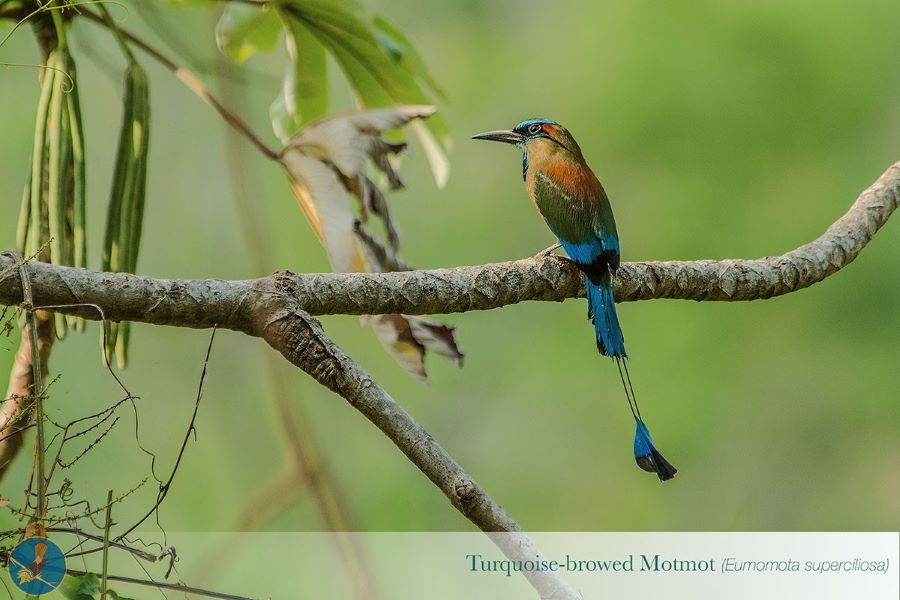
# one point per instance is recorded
(327, 165)
(407, 338)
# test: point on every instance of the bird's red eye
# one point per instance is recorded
(534, 128)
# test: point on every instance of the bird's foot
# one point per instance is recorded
(548, 251)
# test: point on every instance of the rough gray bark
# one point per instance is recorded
(277, 308)
(203, 303)
(300, 339)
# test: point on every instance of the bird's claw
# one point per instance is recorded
(548, 251)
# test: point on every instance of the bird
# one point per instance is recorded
(574, 205)
(37, 565)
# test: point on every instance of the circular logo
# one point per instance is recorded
(37, 566)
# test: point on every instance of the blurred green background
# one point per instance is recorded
(720, 130)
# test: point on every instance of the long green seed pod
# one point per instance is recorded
(24, 216)
(124, 335)
(65, 186)
(141, 135)
(75, 213)
(121, 258)
(68, 194)
(125, 212)
(79, 190)
(56, 169)
(57, 176)
(117, 195)
(36, 192)
(133, 208)
(123, 165)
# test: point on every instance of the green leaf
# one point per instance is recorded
(369, 90)
(398, 47)
(380, 84)
(116, 596)
(244, 29)
(379, 75)
(353, 45)
(305, 90)
(84, 587)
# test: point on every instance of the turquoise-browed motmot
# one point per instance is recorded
(574, 205)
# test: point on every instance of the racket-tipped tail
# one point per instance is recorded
(648, 457)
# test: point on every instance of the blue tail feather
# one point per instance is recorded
(602, 311)
(611, 342)
(647, 456)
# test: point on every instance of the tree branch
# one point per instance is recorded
(301, 340)
(552, 279)
(208, 302)
(276, 308)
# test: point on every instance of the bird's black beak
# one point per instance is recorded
(509, 137)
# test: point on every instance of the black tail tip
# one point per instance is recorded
(655, 463)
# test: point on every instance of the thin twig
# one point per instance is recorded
(164, 488)
(176, 587)
(98, 538)
(88, 513)
(106, 527)
(102, 415)
(123, 45)
(163, 29)
(91, 446)
(195, 85)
